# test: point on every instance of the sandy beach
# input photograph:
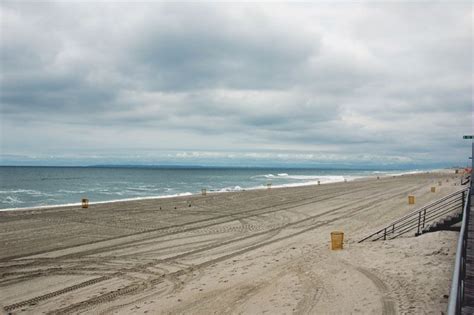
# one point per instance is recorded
(249, 252)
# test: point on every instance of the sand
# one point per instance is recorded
(250, 252)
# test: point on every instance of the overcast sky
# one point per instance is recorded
(241, 84)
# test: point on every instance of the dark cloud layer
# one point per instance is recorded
(363, 83)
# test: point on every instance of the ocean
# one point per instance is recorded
(26, 187)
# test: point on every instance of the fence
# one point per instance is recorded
(418, 220)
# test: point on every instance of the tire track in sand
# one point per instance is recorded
(388, 305)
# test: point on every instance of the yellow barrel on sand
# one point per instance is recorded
(337, 240)
(85, 203)
(411, 200)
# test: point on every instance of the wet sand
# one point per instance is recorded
(261, 251)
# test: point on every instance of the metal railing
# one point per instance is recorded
(457, 286)
(420, 219)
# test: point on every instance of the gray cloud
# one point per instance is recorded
(360, 82)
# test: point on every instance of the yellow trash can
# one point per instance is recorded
(85, 203)
(411, 200)
(433, 189)
(337, 240)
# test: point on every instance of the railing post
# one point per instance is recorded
(424, 219)
(419, 223)
(463, 199)
(385, 234)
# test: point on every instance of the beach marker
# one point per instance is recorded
(433, 189)
(319, 182)
(411, 200)
(269, 185)
(85, 203)
(203, 191)
(378, 177)
(337, 240)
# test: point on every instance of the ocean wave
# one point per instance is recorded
(60, 178)
(408, 173)
(11, 200)
(29, 192)
(71, 191)
(285, 176)
(280, 175)
(140, 189)
(321, 180)
(229, 189)
(400, 173)
(108, 192)
(99, 202)
(326, 178)
(21, 191)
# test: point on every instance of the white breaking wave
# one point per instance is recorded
(11, 200)
(408, 172)
(400, 173)
(71, 191)
(229, 189)
(21, 191)
(321, 180)
(325, 178)
(99, 202)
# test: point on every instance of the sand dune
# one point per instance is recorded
(263, 251)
